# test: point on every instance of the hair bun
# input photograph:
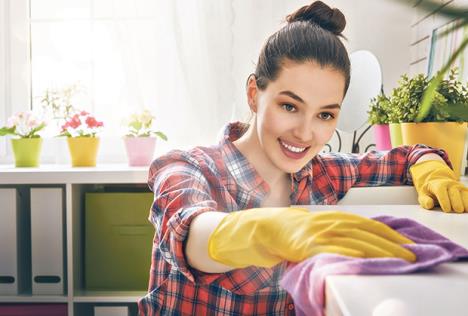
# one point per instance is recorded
(321, 14)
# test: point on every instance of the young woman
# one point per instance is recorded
(224, 228)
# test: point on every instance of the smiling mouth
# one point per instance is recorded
(293, 148)
(293, 151)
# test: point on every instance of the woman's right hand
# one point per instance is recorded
(266, 236)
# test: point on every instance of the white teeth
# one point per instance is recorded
(292, 148)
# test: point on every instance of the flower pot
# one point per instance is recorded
(382, 136)
(140, 150)
(27, 151)
(449, 136)
(395, 134)
(83, 151)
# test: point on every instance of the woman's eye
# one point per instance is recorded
(289, 107)
(326, 116)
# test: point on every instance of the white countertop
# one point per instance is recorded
(441, 291)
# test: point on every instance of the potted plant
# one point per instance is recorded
(81, 130)
(27, 142)
(140, 138)
(444, 125)
(404, 103)
(378, 118)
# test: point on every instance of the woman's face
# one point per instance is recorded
(296, 114)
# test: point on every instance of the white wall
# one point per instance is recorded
(381, 26)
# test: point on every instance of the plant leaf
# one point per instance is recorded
(7, 131)
(33, 132)
(442, 9)
(458, 112)
(162, 135)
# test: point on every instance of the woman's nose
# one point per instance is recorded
(304, 133)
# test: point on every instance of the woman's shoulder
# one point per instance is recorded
(336, 157)
(197, 159)
(196, 156)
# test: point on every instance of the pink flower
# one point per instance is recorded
(75, 121)
(81, 124)
(65, 126)
(92, 122)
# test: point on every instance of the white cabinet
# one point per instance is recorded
(41, 225)
(8, 242)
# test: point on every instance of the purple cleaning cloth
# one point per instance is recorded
(305, 281)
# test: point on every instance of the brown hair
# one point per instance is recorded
(312, 34)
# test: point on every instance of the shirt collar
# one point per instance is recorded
(240, 168)
(238, 165)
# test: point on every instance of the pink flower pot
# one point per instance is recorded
(140, 150)
(382, 137)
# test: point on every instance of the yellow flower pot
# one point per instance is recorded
(83, 151)
(449, 136)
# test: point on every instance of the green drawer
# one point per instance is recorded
(118, 241)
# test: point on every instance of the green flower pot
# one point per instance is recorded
(395, 134)
(27, 151)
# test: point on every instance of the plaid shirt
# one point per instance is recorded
(219, 178)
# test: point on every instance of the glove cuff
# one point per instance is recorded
(430, 169)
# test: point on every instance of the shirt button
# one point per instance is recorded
(290, 307)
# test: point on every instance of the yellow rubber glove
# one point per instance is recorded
(266, 236)
(435, 183)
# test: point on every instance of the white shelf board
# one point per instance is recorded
(34, 299)
(59, 174)
(108, 296)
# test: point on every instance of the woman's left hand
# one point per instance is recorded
(435, 183)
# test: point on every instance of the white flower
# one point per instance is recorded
(12, 121)
(146, 117)
(25, 123)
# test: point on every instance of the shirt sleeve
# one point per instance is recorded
(181, 193)
(375, 168)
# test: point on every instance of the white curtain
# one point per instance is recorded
(185, 77)
(194, 69)
(172, 56)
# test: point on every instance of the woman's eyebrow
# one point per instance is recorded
(292, 95)
(299, 99)
(331, 106)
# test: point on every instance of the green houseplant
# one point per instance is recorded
(453, 13)
(449, 104)
(444, 125)
(140, 138)
(27, 143)
(378, 118)
(431, 97)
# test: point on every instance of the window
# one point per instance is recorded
(172, 57)
(106, 48)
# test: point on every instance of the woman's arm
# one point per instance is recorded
(196, 248)
(181, 195)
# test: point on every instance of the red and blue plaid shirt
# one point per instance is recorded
(219, 178)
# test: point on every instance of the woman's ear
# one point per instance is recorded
(252, 89)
